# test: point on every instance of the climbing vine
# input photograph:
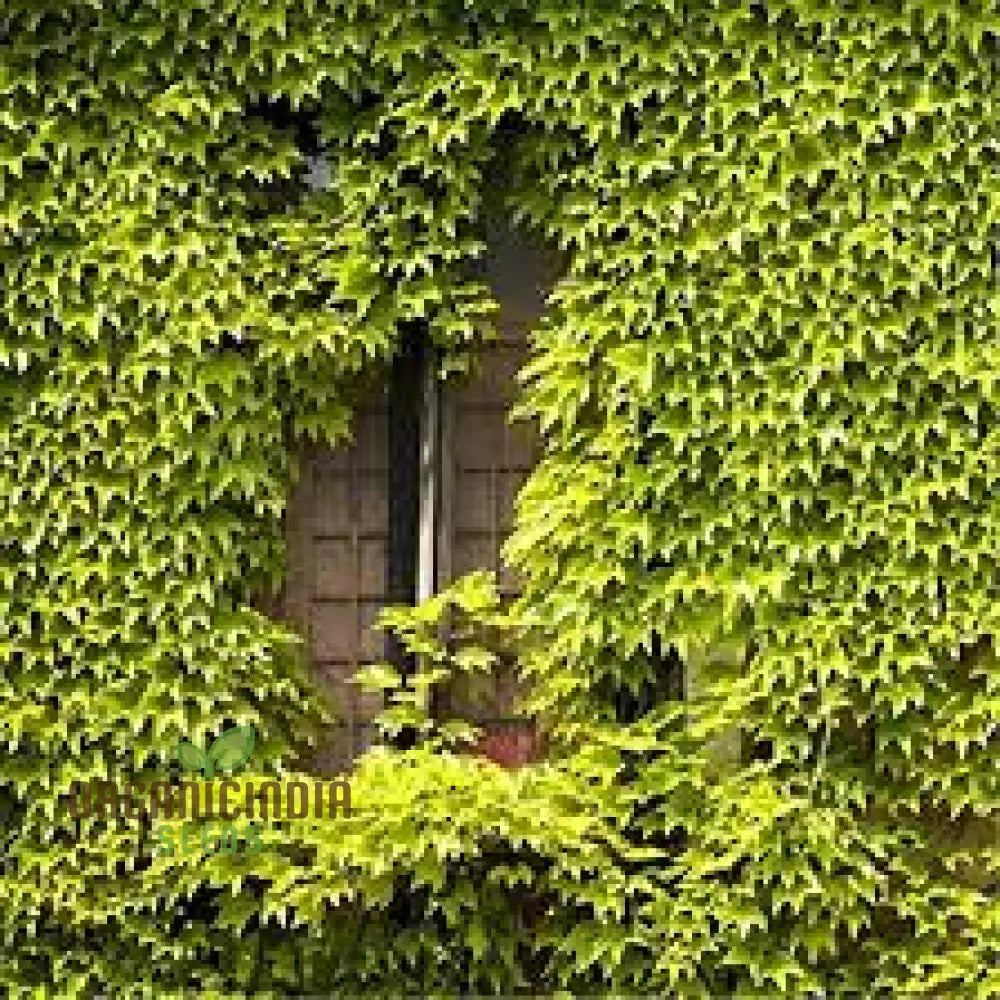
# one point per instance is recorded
(766, 387)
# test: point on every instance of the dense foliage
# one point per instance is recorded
(767, 390)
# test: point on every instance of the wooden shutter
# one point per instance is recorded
(338, 537)
(485, 458)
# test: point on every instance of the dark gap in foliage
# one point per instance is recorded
(280, 193)
(13, 810)
(661, 674)
(301, 122)
(662, 679)
(757, 749)
(200, 908)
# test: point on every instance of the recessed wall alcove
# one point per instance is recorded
(424, 493)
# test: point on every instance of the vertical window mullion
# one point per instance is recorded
(446, 486)
(405, 402)
(429, 481)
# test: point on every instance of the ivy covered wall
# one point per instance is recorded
(766, 386)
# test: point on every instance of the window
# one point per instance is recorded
(424, 494)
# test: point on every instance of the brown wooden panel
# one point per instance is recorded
(484, 501)
(342, 502)
(337, 527)
(474, 551)
(349, 568)
(372, 446)
(486, 440)
(488, 458)
(335, 676)
(371, 641)
(369, 449)
(344, 631)
(494, 377)
(334, 632)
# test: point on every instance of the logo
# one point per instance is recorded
(227, 753)
(204, 802)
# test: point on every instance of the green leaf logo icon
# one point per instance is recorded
(191, 757)
(230, 751)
